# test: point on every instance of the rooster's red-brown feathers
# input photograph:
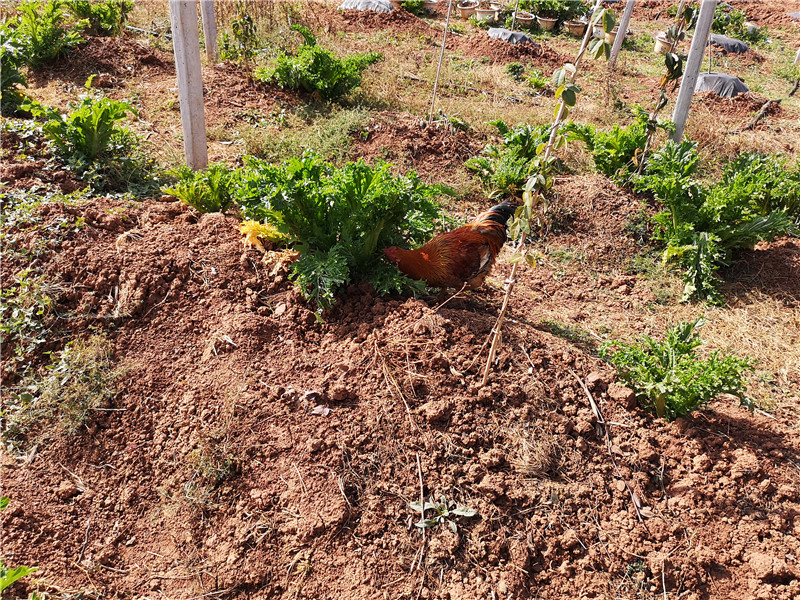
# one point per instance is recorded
(462, 256)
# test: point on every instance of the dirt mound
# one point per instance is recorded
(113, 59)
(398, 21)
(433, 151)
(481, 45)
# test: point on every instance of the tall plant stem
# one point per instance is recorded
(512, 278)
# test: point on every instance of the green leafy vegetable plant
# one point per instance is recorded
(41, 29)
(94, 144)
(11, 78)
(504, 169)
(671, 377)
(444, 513)
(614, 152)
(339, 218)
(315, 69)
(105, 17)
(210, 190)
(702, 225)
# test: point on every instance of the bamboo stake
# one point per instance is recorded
(441, 57)
(512, 278)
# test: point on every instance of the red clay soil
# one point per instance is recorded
(252, 450)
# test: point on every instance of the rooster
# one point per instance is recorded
(460, 257)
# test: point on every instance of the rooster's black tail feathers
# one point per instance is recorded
(500, 213)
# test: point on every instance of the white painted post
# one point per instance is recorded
(623, 29)
(209, 29)
(797, 57)
(186, 43)
(692, 67)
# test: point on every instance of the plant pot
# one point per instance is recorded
(486, 14)
(546, 23)
(525, 19)
(663, 45)
(467, 9)
(576, 28)
(611, 37)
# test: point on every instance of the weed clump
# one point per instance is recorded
(81, 378)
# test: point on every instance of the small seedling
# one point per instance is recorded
(445, 511)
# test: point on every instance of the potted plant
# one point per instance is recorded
(467, 8)
(576, 17)
(547, 12)
(487, 13)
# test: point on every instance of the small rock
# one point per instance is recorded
(339, 392)
(595, 382)
(623, 395)
(67, 489)
(435, 411)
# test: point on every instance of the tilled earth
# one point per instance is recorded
(252, 450)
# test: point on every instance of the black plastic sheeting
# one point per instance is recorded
(721, 84)
(729, 44)
(381, 6)
(512, 37)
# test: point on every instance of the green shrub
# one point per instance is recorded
(105, 17)
(206, 191)
(242, 46)
(339, 219)
(670, 377)
(505, 169)
(765, 183)
(557, 9)
(41, 31)
(728, 21)
(614, 152)
(315, 69)
(11, 59)
(702, 225)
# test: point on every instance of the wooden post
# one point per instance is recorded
(186, 43)
(623, 29)
(692, 68)
(209, 29)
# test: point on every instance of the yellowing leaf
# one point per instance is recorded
(253, 230)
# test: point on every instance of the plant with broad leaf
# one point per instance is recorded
(338, 219)
(444, 513)
(702, 225)
(670, 377)
(503, 169)
(534, 206)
